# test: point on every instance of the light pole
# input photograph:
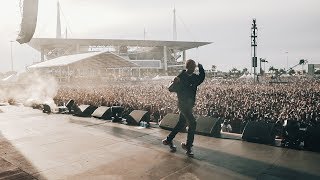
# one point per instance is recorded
(287, 60)
(11, 55)
(254, 36)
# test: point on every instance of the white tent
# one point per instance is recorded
(11, 78)
(247, 76)
(163, 77)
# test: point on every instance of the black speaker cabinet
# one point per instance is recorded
(312, 139)
(85, 110)
(259, 132)
(103, 112)
(137, 115)
(208, 126)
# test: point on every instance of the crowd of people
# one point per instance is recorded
(236, 102)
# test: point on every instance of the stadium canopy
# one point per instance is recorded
(98, 60)
(48, 43)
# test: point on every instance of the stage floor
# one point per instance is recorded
(35, 145)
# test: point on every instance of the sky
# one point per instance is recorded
(291, 26)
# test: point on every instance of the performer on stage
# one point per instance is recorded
(187, 81)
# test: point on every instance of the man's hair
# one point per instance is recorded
(189, 62)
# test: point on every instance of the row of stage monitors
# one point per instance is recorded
(113, 113)
(255, 131)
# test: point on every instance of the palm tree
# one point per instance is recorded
(213, 67)
(213, 70)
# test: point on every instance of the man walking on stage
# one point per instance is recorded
(187, 82)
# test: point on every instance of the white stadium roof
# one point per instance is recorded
(49, 43)
(98, 59)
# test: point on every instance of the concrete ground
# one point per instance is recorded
(34, 145)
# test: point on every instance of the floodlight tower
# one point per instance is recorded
(58, 31)
(254, 31)
(175, 37)
(11, 55)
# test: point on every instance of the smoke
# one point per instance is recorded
(30, 89)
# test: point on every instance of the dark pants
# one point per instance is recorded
(185, 116)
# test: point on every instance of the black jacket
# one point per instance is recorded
(188, 87)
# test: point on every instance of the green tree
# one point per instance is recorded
(282, 71)
(234, 72)
(244, 70)
(271, 69)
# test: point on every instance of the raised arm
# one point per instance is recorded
(201, 76)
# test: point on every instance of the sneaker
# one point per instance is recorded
(188, 149)
(170, 144)
(166, 142)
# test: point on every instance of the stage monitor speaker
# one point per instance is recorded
(28, 21)
(259, 132)
(85, 110)
(208, 126)
(46, 109)
(138, 115)
(312, 137)
(103, 112)
(70, 103)
(117, 113)
(170, 121)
